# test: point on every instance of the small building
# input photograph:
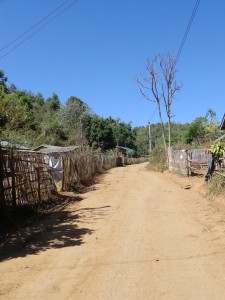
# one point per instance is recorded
(124, 151)
(122, 154)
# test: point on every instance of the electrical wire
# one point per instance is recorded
(37, 30)
(35, 25)
(153, 114)
(187, 29)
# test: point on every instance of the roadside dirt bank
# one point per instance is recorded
(137, 235)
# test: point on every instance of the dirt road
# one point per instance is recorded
(137, 235)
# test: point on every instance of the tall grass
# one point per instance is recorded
(217, 185)
(158, 160)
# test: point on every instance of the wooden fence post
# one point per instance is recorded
(188, 163)
(2, 194)
(38, 183)
(12, 167)
(63, 172)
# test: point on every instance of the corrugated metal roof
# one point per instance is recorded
(125, 148)
(53, 149)
(6, 144)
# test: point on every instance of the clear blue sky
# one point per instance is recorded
(96, 49)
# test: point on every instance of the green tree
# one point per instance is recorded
(196, 131)
(51, 131)
(72, 119)
(12, 89)
(141, 140)
(212, 126)
(53, 103)
(3, 87)
(99, 134)
(16, 109)
(203, 130)
(178, 133)
(122, 133)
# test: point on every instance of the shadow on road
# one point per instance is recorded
(57, 229)
(90, 215)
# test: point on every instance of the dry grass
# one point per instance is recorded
(158, 160)
(217, 185)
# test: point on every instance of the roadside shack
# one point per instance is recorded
(123, 153)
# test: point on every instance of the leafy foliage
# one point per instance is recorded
(203, 130)
(99, 133)
(195, 131)
(141, 140)
(3, 87)
(217, 150)
(71, 118)
(31, 120)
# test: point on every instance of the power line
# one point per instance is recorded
(31, 28)
(36, 25)
(153, 114)
(187, 29)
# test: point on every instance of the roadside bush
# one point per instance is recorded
(217, 185)
(158, 160)
(138, 160)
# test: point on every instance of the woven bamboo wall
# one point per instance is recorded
(24, 178)
(82, 164)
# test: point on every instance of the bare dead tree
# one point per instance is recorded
(169, 86)
(159, 86)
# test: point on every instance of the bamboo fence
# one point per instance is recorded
(81, 165)
(26, 177)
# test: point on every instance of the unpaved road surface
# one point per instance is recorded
(137, 235)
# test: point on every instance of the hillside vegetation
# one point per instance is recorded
(30, 120)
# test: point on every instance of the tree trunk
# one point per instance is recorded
(169, 132)
(162, 125)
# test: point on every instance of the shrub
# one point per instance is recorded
(158, 160)
(217, 150)
(217, 185)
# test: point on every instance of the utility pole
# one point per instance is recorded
(81, 135)
(149, 138)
